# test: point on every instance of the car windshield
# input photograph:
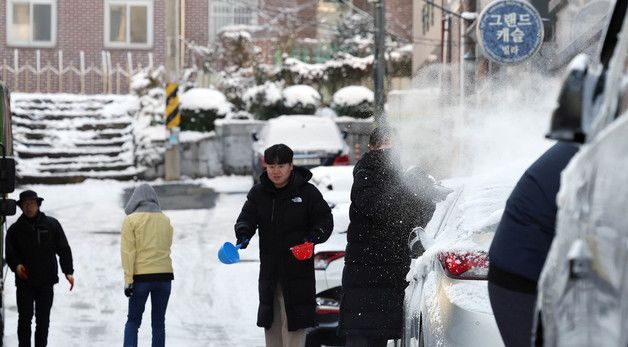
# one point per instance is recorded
(304, 134)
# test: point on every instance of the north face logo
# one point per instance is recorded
(297, 199)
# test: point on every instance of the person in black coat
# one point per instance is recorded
(32, 245)
(383, 212)
(521, 244)
(287, 211)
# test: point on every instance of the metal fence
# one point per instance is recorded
(67, 77)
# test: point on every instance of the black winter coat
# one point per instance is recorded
(525, 233)
(286, 217)
(35, 243)
(383, 212)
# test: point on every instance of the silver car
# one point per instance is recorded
(446, 302)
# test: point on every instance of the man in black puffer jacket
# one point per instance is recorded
(32, 245)
(383, 212)
(288, 211)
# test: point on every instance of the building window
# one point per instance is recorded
(128, 24)
(31, 23)
(223, 13)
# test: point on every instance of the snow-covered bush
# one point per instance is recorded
(354, 101)
(148, 86)
(199, 108)
(264, 101)
(300, 99)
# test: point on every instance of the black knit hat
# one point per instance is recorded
(29, 195)
(278, 154)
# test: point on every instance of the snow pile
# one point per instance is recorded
(301, 94)
(194, 136)
(305, 71)
(354, 101)
(197, 99)
(353, 96)
(264, 101)
(200, 107)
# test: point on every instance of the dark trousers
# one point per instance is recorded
(514, 313)
(159, 295)
(363, 341)
(37, 300)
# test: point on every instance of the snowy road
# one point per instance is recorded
(211, 304)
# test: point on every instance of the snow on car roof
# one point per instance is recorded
(303, 133)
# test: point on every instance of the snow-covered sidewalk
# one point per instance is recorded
(211, 304)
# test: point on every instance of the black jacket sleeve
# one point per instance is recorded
(320, 216)
(13, 256)
(247, 220)
(62, 248)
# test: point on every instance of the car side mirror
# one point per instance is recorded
(571, 119)
(254, 137)
(7, 207)
(414, 242)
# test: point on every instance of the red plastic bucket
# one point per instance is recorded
(303, 251)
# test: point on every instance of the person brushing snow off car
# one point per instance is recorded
(385, 207)
(289, 213)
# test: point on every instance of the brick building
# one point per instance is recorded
(94, 46)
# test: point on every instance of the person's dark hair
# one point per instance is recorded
(278, 154)
(382, 135)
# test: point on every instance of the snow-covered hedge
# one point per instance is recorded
(300, 99)
(264, 101)
(354, 101)
(199, 108)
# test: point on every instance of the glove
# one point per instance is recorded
(70, 279)
(243, 241)
(128, 289)
(20, 271)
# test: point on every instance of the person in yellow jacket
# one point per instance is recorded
(145, 250)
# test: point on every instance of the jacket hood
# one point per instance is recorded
(382, 161)
(143, 199)
(299, 177)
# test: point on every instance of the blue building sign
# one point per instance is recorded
(510, 31)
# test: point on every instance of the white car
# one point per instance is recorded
(334, 182)
(315, 141)
(446, 301)
(329, 261)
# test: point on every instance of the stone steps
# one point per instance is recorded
(61, 138)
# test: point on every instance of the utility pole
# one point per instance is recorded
(172, 156)
(379, 61)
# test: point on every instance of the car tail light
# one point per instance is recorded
(326, 306)
(341, 159)
(322, 259)
(465, 265)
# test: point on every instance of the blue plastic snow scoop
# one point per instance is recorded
(228, 253)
